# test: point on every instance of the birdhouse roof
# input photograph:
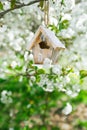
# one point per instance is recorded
(50, 37)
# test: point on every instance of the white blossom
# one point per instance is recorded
(26, 56)
(6, 4)
(25, 1)
(3, 0)
(30, 83)
(17, 47)
(56, 69)
(69, 92)
(10, 35)
(69, 4)
(5, 63)
(13, 64)
(4, 92)
(6, 97)
(31, 58)
(11, 128)
(47, 63)
(68, 109)
(32, 78)
(66, 17)
(53, 21)
(32, 72)
(49, 86)
(74, 92)
(67, 79)
(45, 83)
(21, 79)
(3, 29)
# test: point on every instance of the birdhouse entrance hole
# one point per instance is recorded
(43, 45)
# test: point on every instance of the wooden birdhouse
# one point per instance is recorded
(45, 45)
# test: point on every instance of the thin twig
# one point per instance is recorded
(18, 7)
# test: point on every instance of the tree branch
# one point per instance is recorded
(18, 7)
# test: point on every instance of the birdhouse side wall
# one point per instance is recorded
(55, 55)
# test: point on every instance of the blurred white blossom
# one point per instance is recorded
(68, 109)
(21, 79)
(32, 72)
(32, 78)
(66, 16)
(56, 69)
(6, 4)
(11, 128)
(4, 92)
(25, 1)
(3, 28)
(67, 79)
(13, 64)
(6, 97)
(31, 57)
(46, 84)
(47, 63)
(26, 54)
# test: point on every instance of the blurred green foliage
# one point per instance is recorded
(27, 102)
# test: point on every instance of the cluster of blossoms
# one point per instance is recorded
(6, 97)
(76, 34)
(53, 77)
(68, 83)
(46, 83)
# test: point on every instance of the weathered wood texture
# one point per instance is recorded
(47, 48)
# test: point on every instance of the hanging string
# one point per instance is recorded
(46, 12)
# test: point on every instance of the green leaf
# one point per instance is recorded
(60, 26)
(63, 25)
(82, 124)
(1, 6)
(26, 128)
(54, 28)
(41, 71)
(83, 73)
(63, 2)
(2, 80)
(13, 3)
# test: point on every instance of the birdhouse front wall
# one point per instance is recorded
(40, 54)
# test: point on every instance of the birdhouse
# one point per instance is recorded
(45, 45)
